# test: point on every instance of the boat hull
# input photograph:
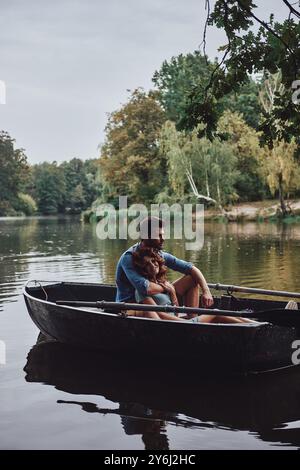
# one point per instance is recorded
(223, 347)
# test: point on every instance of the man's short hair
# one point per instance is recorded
(149, 225)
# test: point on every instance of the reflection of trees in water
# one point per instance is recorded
(15, 237)
(261, 255)
(149, 399)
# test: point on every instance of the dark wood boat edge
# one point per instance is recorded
(131, 318)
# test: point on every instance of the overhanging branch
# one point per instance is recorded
(292, 9)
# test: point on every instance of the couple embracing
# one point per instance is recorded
(141, 278)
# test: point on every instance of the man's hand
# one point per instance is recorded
(170, 289)
(207, 299)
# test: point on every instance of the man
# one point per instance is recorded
(187, 287)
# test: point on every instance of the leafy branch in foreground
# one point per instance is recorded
(272, 48)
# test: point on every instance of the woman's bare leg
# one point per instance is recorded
(154, 315)
(189, 292)
(141, 313)
(223, 319)
(187, 289)
(160, 315)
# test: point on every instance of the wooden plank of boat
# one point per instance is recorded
(236, 347)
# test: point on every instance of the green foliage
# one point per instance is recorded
(182, 84)
(211, 165)
(49, 187)
(82, 184)
(13, 169)
(209, 132)
(76, 200)
(130, 163)
(176, 79)
(92, 182)
(26, 204)
(70, 187)
(244, 141)
(280, 168)
(245, 103)
(274, 47)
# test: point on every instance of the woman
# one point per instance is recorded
(150, 264)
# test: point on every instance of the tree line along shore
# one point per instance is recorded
(154, 152)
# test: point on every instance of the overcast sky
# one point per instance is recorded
(67, 63)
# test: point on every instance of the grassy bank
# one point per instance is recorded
(258, 211)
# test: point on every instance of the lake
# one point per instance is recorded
(55, 397)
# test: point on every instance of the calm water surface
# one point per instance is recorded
(54, 397)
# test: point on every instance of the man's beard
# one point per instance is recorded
(153, 243)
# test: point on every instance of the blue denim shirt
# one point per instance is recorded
(128, 279)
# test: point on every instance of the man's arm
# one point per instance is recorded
(154, 288)
(140, 283)
(176, 264)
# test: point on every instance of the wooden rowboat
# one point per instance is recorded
(252, 347)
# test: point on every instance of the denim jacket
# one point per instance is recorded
(128, 279)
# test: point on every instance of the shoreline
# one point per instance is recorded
(256, 211)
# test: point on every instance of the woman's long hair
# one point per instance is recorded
(144, 260)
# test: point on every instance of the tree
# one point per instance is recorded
(73, 175)
(281, 170)
(245, 102)
(130, 163)
(26, 204)
(274, 47)
(184, 75)
(82, 185)
(175, 80)
(49, 188)
(13, 169)
(244, 141)
(75, 178)
(92, 185)
(76, 200)
(207, 168)
(278, 162)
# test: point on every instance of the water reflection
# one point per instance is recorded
(260, 255)
(136, 419)
(150, 400)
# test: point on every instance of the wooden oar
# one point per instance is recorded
(252, 290)
(278, 317)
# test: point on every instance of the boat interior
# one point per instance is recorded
(95, 292)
